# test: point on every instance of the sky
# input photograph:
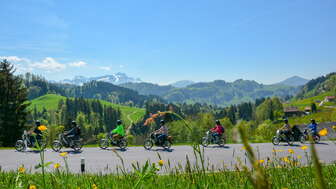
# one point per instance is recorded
(164, 41)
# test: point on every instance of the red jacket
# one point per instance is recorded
(218, 129)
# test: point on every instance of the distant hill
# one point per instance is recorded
(294, 81)
(116, 79)
(38, 86)
(217, 92)
(149, 88)
(318, 86)
(50, 102)
(183, 83)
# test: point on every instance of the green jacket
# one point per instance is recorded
(119, 130)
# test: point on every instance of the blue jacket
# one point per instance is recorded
(313, 127)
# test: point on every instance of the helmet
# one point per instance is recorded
(286, 120)
(217, 122)
(73, 123)
(313, 120)
(162, 121)
(119, 122)
(37, 123)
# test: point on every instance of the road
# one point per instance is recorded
(106, 161)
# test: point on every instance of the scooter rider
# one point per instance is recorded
(312, 127)
(286, 129)
(162, 132)
(73, 133)
(218, 130)
(36, 134)
(118, 132)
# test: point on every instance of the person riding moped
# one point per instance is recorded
(36, 134)
(162, 133)
(73, 133)
(286, 129)
(118, 132)
(312, 127)
(218, 130)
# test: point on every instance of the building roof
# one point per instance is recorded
(330, 97)
(291, 109)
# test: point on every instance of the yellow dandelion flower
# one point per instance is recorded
(304, 147)
(22, 169)
(323, 132)
(57, 165)
(161, 162)
(94, 186)
(334, 127)
(261, 161)
(32, 186)
(42, 128)
(291, 151)
(299, 157)
(63, 154)
(285, 159)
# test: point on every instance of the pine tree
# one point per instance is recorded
(13, 104)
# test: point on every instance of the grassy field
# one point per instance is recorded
(279, 178)
(50, 102)
(301, 104)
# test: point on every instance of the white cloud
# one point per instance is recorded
(14, 59)
(78, 64)
(121, 66)
(48, 64)
(106, 68)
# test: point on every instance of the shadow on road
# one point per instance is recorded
(72, 151)
(161, 150)
(219, 147)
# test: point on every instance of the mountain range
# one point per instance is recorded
(217, 92)
(116, 79)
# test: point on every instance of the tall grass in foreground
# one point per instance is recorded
(282, 173)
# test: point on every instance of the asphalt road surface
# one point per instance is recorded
(107, 161)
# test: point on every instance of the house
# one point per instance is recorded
(292, 111)
(308, 110)
(330, 99)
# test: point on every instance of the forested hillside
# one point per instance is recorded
(217, 92)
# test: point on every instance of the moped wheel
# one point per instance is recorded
(103, 144)
(303, 139)
(148, 144)
(167, 145)
(56, 146)
(123, 144)
(20, 146)
(205, 142)
(290, 140)
(276, 140)
(317, 139)
(77, 146)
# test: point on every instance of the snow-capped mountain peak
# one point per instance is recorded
(117, 79)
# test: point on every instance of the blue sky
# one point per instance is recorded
(165, 41)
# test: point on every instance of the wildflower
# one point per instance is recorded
(149, 121)
(304, 147)
(94, 186)
(285, 159)
(161, 162)
(22, 169)
(261, 161)
(63, 154)
(32, 186)
(323, 132)
(57, 165)
(277, 151)
(299, 157)
(334, 127)
(291, 151)
(42, 128)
